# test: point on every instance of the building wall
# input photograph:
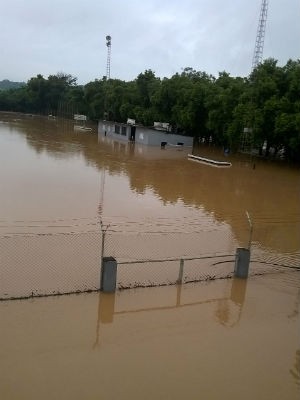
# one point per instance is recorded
(115, 130)
(143, 134)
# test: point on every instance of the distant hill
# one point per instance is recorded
(6, 84)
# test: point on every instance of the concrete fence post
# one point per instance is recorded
(108, 281)
(242, 261)
(180, 274)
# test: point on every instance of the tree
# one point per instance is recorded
(37, 89)
(224, 96)
(57, 89)
(193, 102)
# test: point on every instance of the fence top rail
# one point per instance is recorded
(176, 259)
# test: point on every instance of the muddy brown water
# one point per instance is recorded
(223, 339)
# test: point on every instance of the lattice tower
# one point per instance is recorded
(108, 44)
(260, 35)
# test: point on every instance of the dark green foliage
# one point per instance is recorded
(193, 102)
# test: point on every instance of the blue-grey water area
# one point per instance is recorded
(227, 338)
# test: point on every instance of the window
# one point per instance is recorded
(123, 131)
(117, 129)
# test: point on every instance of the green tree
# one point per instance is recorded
(57, 88)
(224, 96)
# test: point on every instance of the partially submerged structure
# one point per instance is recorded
(143, 135)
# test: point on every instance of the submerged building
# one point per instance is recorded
(143, 135)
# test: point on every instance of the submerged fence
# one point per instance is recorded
(50, 264)
(45, 264)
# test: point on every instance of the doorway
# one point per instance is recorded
(132, 133)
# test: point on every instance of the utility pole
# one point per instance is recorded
(260, 35)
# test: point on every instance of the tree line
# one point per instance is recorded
(262, 110)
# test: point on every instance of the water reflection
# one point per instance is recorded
(295, 371)
(106, 309)
(295, 312)
(271, 192)
(228, 313)
(180, 346)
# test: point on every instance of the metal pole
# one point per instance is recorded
(102, 247)
(103, 231)
(251, 230)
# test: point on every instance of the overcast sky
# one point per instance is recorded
(50, 36)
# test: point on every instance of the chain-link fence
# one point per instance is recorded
(163, 258)
(45, 264)
(51, 264)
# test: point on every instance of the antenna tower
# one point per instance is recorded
(260, 35)
(108, 44)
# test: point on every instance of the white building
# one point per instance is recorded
(143, 135)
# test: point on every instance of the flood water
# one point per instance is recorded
(222, 339)
(54, 177)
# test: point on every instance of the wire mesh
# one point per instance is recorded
(45, 264)
(154, 257)
(131, 246)
(169, 272)
(275, 244)
(49, 264)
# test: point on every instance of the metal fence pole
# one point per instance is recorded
(102, 247)
(251, 230)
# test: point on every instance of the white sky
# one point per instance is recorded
(50, 36)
